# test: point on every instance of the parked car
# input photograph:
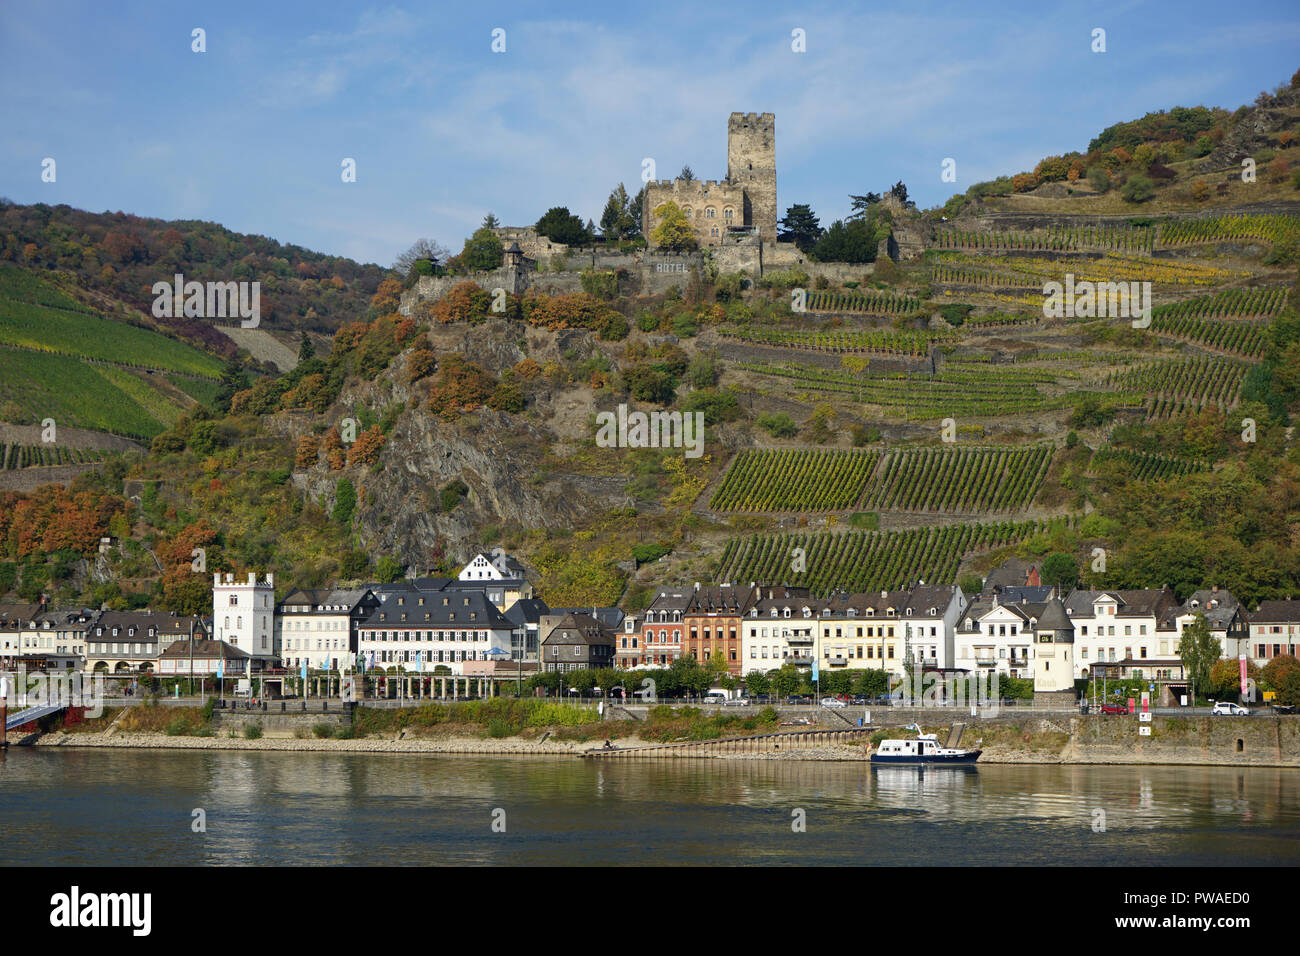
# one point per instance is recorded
(833, 702)
(1230, 709)
(736, 702)
(1114, 708)
(1284, 708)
(798, 699)
(859, 699)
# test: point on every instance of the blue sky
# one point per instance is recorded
(252, 132)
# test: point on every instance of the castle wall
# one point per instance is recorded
(710, 206)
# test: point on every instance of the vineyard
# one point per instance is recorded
(987, 391)
(882, 341)
(1228, 229)
(883, 303)
(41, 385)
(794, 480)
(1054, 239)
(36, 456)
(870, 560)
(960, 479)
(1176, 385)
(1142, 466)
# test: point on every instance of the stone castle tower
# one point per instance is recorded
(743, 204)
(751, 164)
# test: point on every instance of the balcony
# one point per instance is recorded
(799, 660)
(837, 661)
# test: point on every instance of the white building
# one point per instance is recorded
(320, 626)
(777, 629)
(1113, 626)
(419, 632)
(997, 637)
(243, 613)
(931, 615)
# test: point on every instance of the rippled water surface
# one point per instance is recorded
(101, 807)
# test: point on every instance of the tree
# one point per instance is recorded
(786, 680)
(1060, 570)
(560, 225)
(420, 249)
(860, 205)
(490, 222)
(388, 570)
(757, 683)
(634, 210)
(616, 222)
(855, 241)
(800, 226)
(899, 192)
(345, 502)
(673, 231)
(687, 174)
(1278, 670)
(483, 251)
(306, 351)
(1198, 649)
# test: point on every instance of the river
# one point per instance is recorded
(115, 807)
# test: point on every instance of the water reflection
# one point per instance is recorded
(319, 808)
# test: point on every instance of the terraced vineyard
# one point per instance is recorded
(960, 479)
(1052, 239)
(1142, 466)
(795, 480)
(883, 341)
(870, 560)
(36, 456)
(874, 303)
(975, 393)
(1228, 228)
(1177, 385)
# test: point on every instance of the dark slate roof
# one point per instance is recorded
(526, 611)
(1014, 594)
(203, 648)
(722, 599)
(1054, 618)
(166, 625)
(608, 616)
(463, 610)
(672, 600)
(1276, 612)
(579, 629)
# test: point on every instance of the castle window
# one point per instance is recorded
(728, 213)
(710, 212)
(686, 210)
(713, 231)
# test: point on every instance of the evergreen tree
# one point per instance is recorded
(634, 210)
(306, 351)
(490, 222)
(687, 174)
(800, 226)
(616, 221)
(560, 225)
(859, 205)
(233, 379)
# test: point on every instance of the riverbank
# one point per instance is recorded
(1213, 741)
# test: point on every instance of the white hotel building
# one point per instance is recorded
(423, 630)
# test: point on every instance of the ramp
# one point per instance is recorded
(954, 734)
(30, 714)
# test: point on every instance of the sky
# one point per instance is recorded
(252, 133)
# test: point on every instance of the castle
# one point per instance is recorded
(734, 221)
(743, 204)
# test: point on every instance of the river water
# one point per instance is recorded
(115, 807)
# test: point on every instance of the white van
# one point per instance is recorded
(716, 697)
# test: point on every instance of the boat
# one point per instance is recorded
(924, 748)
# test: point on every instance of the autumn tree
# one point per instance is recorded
(305, 457)
(365, 450)
(673, 231)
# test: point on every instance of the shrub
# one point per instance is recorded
(178, 727)
(498, 728)
(1138, 189)
(322, 730)
(779, 424)
(253, 732)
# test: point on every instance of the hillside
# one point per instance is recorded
(922, 419)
